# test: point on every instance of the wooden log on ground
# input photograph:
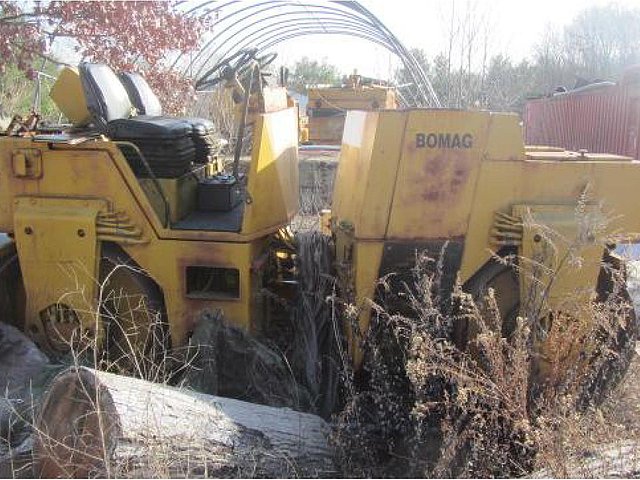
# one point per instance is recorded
(94, 423)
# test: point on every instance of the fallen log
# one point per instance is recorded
(94, 423)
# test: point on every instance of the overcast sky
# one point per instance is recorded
(517, 26)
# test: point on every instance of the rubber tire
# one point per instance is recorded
(139, 337)
(504, 281)
(619, 347)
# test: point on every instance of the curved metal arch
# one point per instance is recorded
(328, 18)
(332, 30)
(307, 8)
(256, 38)
(248, 24)
(272, 38)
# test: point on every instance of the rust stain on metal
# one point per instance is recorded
(446, 177)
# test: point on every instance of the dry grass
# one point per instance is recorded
(432, 409)
(429, 408)
(142, 353)
(603, 440)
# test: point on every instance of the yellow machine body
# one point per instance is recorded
(63, 201)
(327, 107)
(463, 184)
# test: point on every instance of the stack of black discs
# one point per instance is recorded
(204, 139)
(166, 144)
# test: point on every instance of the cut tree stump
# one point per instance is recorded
(94, 423)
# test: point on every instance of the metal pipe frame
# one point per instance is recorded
(268, 23)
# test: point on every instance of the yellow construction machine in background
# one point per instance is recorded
(327, 107)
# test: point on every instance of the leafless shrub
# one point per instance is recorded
(430, 408)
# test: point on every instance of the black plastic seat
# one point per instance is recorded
(166, 143)
(140, 94)
(146, 102)
(146, 127)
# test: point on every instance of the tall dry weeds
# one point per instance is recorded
(430, 408)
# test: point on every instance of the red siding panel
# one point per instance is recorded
(603, 120)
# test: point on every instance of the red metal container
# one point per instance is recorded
(600, 118)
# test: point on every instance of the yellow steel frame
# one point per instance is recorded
(392, 186)
(91, 188)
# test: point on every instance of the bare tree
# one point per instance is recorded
(602, 39)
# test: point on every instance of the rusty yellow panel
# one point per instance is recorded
(558, 272)
(504, 138)
(326, 130)
(58, 251)
(102, 173)
(366, 176)
(181, 194)
(561, 257)
(97, 171)
(69, 173)
(502, 184)
(365, 271)
(349, 98)
(27, 163)
(367, 258)
(273, 192)
(358, 267)
(435, 186)
(170, 274)
(355, 169)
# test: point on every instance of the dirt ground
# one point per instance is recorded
(608, 441)
(628, 401)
